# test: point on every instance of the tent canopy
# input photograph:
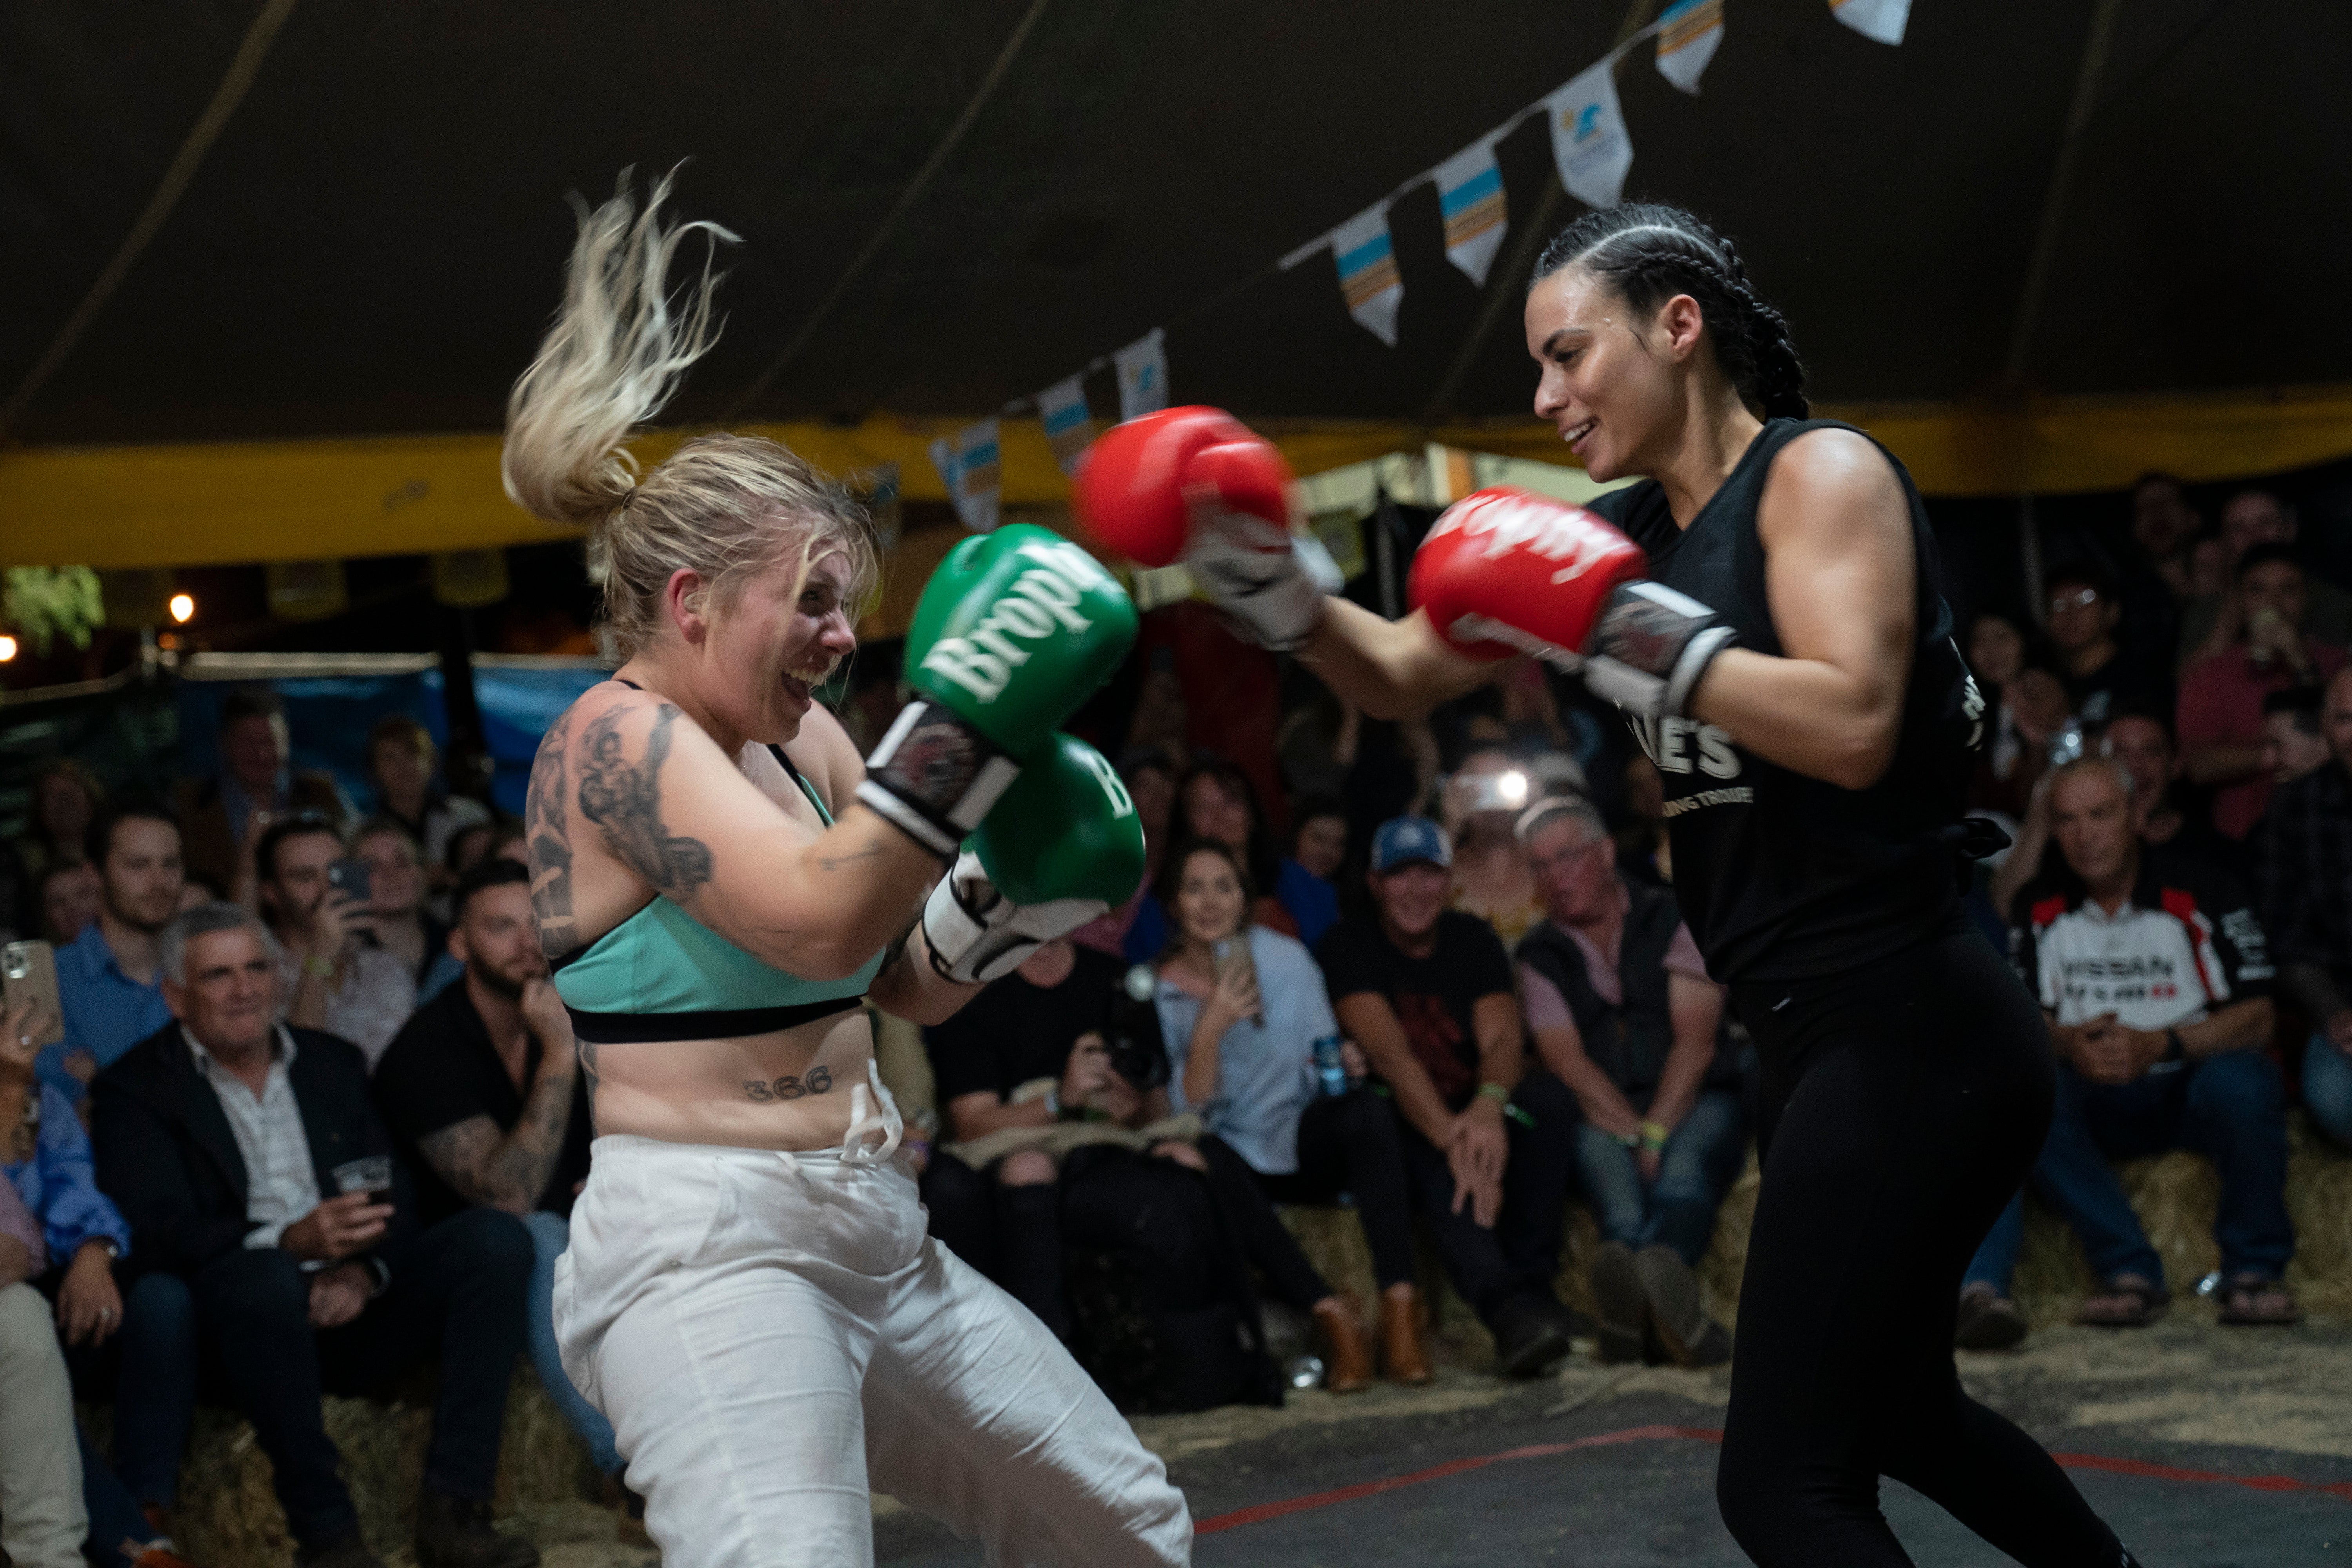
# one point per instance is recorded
(319, 339)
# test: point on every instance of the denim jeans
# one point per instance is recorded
(155, 1386)
(2230, 1108)
(2328, 1089)
(1677, 1210)
(549, 1235)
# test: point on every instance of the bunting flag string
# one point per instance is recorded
(1470, 198)
(1689, 32)
(970, 468)
(1368, 278)
(1882, 20)
(1591, 148)
(1061, 409)
(1143, 374)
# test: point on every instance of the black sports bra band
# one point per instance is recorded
(719, 1024)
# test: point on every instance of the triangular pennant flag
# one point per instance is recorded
(1688, 34)
(974, 477)
(1470, 197)
(1061, 409)
(1588, 140)
(1143, 375)
(1368, 278)
(1881, 20)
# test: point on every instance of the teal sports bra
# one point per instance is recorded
(661, 974)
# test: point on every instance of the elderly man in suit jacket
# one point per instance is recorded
(252, 1166)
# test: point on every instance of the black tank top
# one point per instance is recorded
(1783, 876)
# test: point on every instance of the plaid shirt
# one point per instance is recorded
(2304, 872)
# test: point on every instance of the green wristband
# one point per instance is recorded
(1496, 1093)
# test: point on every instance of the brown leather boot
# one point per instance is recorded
(1347, 1366)
(1401, 1334)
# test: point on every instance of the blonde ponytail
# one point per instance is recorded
(720, 504)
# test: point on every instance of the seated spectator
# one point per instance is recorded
(1621, 1010)
(1215, 799)
(1031, 1074)
(66, 898)
(468, 845)
(2154, 975)
(2294, 742)
(223, 815)
(2085, 621)
(1308, 884)
(218, 1136)
(43, 1521)
(2029, 706)
(399, 920)
(400, 762)
(2213, 621)
(2304, 876)
(1491, 881)
(2222, 695)
(481, 1089)
(1136, 928)
(331, 976)
(1426, 992)
(1241, 1009)
(2163, 522)
(66, 799)
(108, 982)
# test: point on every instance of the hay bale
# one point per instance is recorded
(229, 1512)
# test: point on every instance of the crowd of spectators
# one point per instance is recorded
(312, 1113)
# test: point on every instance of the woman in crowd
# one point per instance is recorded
(399, 919)
(1308, 884)
(399, 762)
(1491, 881)
(1215, 799)
(1241, 1009)
(66, 798)
(2031, 708)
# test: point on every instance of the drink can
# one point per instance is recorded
(1307, 1371)
(1330, 1067)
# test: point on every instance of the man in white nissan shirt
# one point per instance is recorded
(2155, 976)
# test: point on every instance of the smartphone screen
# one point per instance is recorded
(28, 971)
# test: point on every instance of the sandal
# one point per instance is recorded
(2126, 1301)
(1988, 1320)
(2252, 1300)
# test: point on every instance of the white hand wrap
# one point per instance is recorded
(1270, 580)
(976, 934)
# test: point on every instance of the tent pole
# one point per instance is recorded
(468, 765)
(1502, 283)
(2061, 184)
(2029, 549)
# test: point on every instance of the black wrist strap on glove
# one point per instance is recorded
(1651, 647)
(935, 776)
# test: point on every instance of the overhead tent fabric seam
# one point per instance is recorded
(288, 501)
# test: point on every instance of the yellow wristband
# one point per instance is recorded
(1496, 1093)
(1654, 1134)
(319, 966)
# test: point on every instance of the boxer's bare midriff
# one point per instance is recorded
(789, 1090)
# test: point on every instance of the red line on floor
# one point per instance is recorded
(1263, 1511)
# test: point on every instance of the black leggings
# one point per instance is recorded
(1902, 1104)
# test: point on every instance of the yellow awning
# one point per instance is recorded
(280, 500)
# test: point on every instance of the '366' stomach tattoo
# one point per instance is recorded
(818, 1080)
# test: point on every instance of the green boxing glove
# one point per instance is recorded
(1063, 846)
(1014, 631)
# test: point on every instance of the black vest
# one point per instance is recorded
(1784, 877)
(1627, 1041)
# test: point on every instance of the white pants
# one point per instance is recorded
(41, 1519)
(772, 1334)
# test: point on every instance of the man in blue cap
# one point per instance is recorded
(1488, 1138)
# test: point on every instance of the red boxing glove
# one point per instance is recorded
(1506, 572)
(1142, 480)
(1195, 484)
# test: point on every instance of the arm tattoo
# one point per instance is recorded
(460, 1153)
(818, 1080)
(624, 799)
(507, 1170)
(548, 839)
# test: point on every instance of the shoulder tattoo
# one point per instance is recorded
(622, 799)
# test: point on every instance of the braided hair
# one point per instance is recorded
(1650, 253)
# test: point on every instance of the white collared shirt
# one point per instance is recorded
(281, 1182)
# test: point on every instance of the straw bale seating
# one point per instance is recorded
(228, 1516)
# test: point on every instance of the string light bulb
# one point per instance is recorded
(7, 647)
(183, 607)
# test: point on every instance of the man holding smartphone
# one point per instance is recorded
(335, 976)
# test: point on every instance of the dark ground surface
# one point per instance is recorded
(1650, 1500)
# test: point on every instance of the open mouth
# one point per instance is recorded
(1575, 434)
(802, 684)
